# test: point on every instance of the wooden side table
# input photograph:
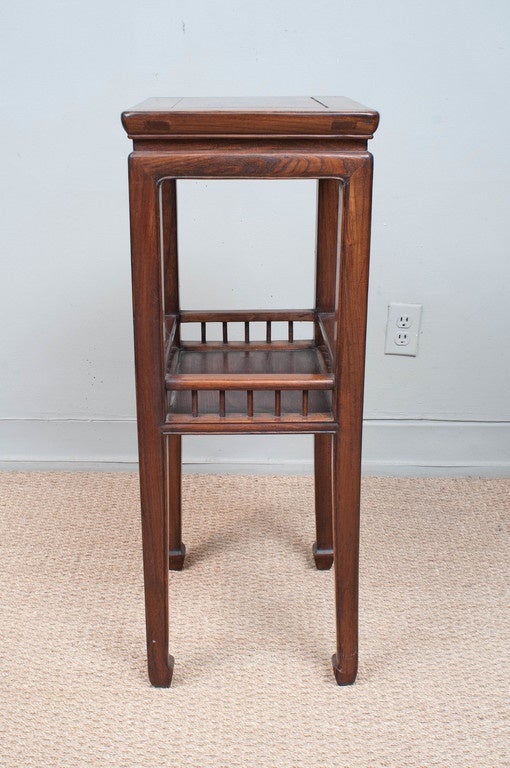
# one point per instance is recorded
(268, 385)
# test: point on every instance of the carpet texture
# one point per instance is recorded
(252, 628)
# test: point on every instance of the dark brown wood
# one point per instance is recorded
(326, 282)
(171, 304)
(265, 164)
(328, 242)
(237, 368)
(203, 372)
(253, 144)
(260, 424)
(246, 315)
(168, 204)
(286, 116)
(323, 546)
(151, 408)
(179, 381)
(176, 548)
(348, 406)
(266, 386)
(250, 346)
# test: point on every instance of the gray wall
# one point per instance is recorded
(438, 73)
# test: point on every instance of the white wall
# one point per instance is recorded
(438, 73)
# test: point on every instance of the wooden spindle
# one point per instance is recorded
(268, 332)
(203, 333)
(277, 403)
(249, 398)
(222, 403)
(305, 402)
(291, 331)
(246, 332)
(225, 333)
(194, 402)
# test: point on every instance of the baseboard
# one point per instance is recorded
(390, 447)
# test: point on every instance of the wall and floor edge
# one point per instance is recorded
(396, 447)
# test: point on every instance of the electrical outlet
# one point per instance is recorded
(404, 320)
(402, 339)
(402, 329)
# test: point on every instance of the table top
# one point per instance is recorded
(243, 116)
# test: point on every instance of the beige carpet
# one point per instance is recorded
(252, 628)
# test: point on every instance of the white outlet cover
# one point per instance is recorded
(410, 326)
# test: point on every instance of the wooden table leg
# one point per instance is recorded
(328, 221)
(346, 549)
(350, 366)
(150, 397)
(323, 547)
(171, 303)
(177, 550)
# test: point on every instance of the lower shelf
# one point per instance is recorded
(271, 386)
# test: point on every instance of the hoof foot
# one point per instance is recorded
(345, 676)
(323, 558)
(176, 558)
(162, 678)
